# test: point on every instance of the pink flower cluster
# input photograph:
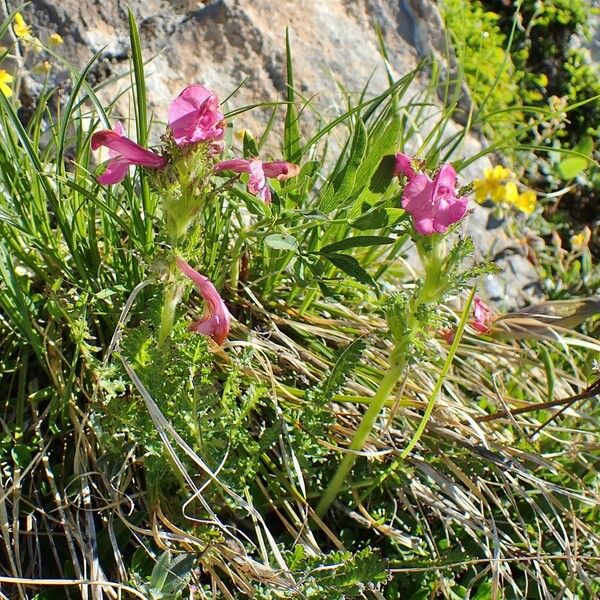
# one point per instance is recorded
(433, 204)
(193, 118)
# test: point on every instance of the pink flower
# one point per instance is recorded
(194, 117)
(484, 319)
(123, 153)
(259, 171)
(433, 205)
(216, 319)
(484, 316)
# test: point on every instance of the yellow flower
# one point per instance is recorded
(509, 193)
(22, 30)
(42, 68)
(5, 79)
(55, 39)
(581, 240)
(491, 184)
(526, 201)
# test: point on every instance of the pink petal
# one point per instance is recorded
(403, 166)
(190, 100)
(445, 181)
(417, 193)
(194, 116)
(257, 180)
(216, 320)
(119, 129)
(483, 316)
(116, 170)
(424, 224)
(449, 211)
(123, 146)
(280, 169)
(237, 165)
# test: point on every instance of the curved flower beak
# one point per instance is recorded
(194, 117)
(123, 153)
(259, 171)
(216, 320)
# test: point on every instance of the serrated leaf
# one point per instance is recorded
(278, 241)
(350, 266)
(360, 241)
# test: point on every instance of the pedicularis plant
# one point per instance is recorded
(188, 172)
(183, 175)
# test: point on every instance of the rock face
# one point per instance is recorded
(225, 43)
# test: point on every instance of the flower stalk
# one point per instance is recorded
(360, 437)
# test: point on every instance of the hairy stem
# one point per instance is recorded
(172, 298)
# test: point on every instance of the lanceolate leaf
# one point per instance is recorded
(341, 188)
(360, 241)
(350, 266)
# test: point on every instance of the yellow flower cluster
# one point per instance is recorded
(23, 32)
(497, 185)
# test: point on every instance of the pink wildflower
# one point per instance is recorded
(216, 319)
(123, 153)
(433, 205)
(482, 323)
(484, 316)
(259, 171)
(194, 117)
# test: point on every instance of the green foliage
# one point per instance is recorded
(337, 575)
(482, 56)
(214, 417)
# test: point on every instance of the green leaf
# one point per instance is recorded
(341, 187)
(278, 241)
(292, 138)
(21, 454)
(141, 119)
(573, 165)
(350, 266)
(360, 241)
(250, 149)
(160, 572)
(373, 218)
(377, 169)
